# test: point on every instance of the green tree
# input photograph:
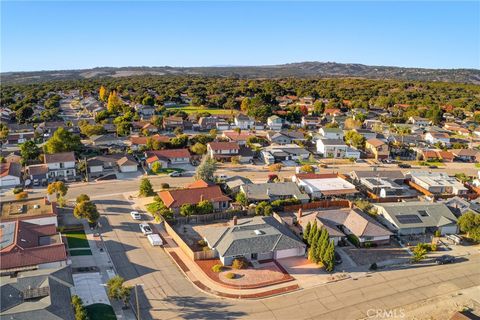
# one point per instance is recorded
(87, 210)
(29, 151)
(199, 148)
(329, 257)
(204, 207)
(313, 232)
(355, 139)
(419, 253)
(312, 254)
(78, 308)
(23, 114)
(117, 290)
(469, 222)
(307, 168)
(148, 100)
(242, 199)
(263, 209)
(156, 167)
(322, 245)
(62, 141)
(306, 231)
(146, 189)
(188, 209)
(206, 170)
(3, 131)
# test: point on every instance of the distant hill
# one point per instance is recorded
(299, 70)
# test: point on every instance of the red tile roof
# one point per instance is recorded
(177, 198)
(199, 184)
(10, 169)
(375, 142)
(156, 155)
(26, 249)
(332, 111)
(224, 146)
(232, 135)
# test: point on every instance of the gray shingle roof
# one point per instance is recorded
(264, 191)
(252, 235)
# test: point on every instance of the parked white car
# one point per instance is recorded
(154, 239)
(136, 215)
(145, 228)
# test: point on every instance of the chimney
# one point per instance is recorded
(300, 213)
(234, 220)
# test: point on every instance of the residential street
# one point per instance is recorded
(165, 293)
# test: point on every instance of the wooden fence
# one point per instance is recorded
(194, 255)
(205, 218)
(322, 204)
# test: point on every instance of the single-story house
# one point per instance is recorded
(168, 157)
(342, 222)
(273, 191)
(320, 186)
(438, 182)
(279, 153)
(417, 217)
(258, 238)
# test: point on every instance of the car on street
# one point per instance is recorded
(136, 215)
(154, 239)
(432, 167)
(145, 228)
(404, 165)
(175, 174)
(445, 259)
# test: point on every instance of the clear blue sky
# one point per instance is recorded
(72, 35)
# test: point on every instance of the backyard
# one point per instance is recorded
(77, 243)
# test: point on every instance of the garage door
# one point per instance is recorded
(288, 253)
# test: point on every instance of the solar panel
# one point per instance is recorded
(409, 218)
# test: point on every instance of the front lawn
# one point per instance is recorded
(80, 252)
(166, 171)
(430, 163)
(77, 239)
(100, 311)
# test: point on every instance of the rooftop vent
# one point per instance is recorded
(36, 206)
(259, 232)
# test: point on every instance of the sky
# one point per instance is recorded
(62, 35)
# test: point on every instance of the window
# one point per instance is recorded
(423, 213)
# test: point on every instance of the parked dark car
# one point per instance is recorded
(404, 165)
(338, 258)
(445, 259)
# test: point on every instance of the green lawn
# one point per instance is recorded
(77, 239)
(166, 171)
(193, 109)
(477, 165)
(80, 252)
(100, 311)
(431, 163)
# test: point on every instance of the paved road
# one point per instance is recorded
(167, 294)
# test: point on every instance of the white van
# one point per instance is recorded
(155, 239)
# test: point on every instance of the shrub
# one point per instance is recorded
(230, 275)
(438, 233)
(239, 263)
(202, 243)
(217, 268)
(82, 197)
(165, 185)
(373, 266)
(354, 240)
(21, 195)
(17, 190)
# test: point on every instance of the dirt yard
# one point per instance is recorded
(367, 256)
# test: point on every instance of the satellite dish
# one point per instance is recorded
(27, 182)
(383, 193)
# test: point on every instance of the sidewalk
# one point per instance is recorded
(106, 270)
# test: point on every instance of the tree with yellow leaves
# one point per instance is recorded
(102, 93)
(114, 103)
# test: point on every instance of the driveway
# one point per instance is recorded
(88, 286)
(306, 273)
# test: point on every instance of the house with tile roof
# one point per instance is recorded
(27, 246)
(223, 151)
(255, 239)
(417, 217)
(169, 158)
(193, 194)
(137, 142)
(43, 294)
(238, 137)
(258, 192)
(378, 148)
